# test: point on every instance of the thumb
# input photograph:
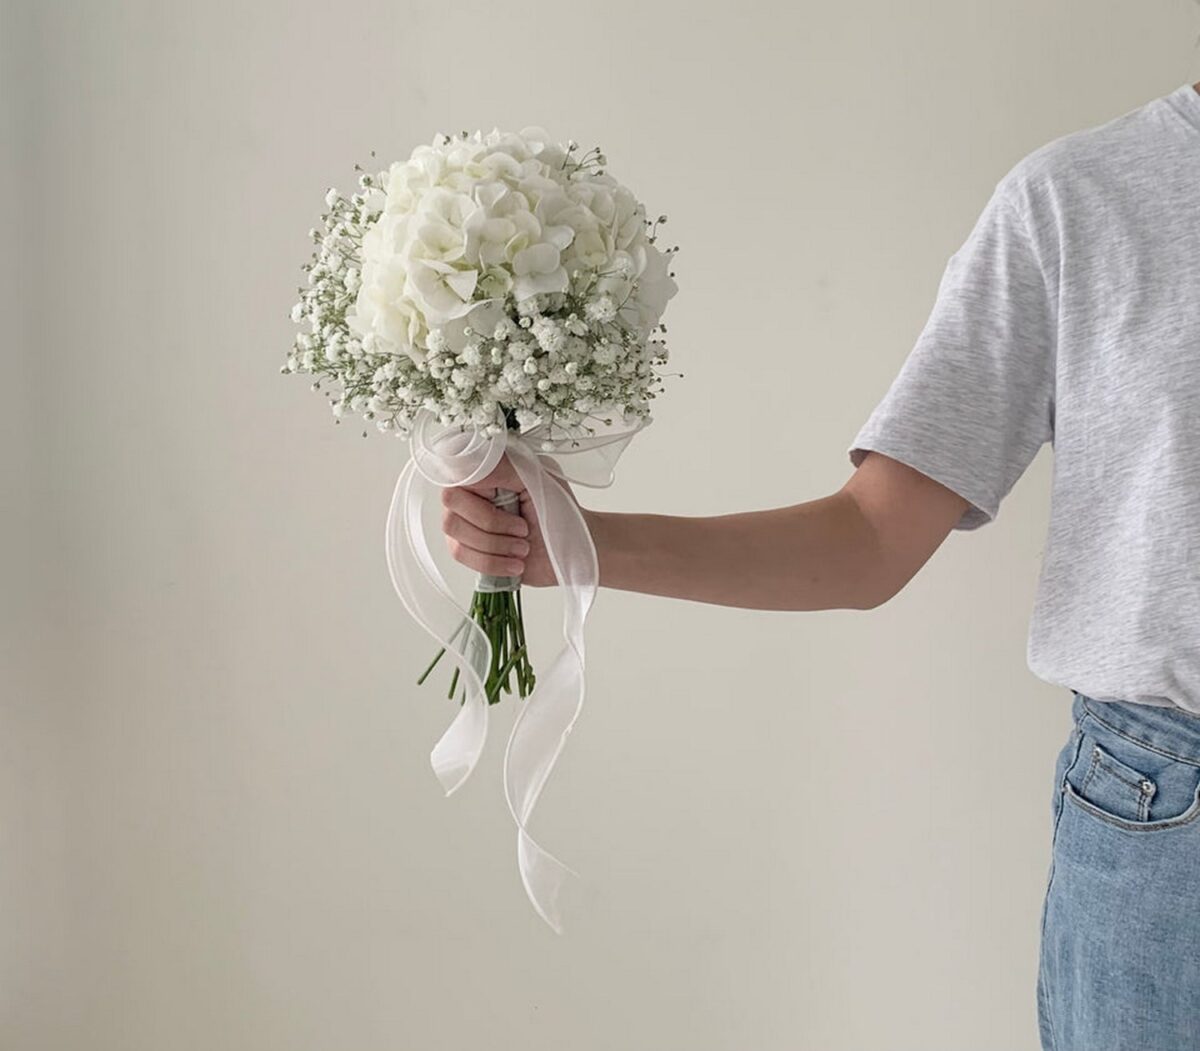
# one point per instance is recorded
(503, 476)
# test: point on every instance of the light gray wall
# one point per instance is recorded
(219, 827)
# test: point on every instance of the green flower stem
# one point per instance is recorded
(432, 663)
(525, 669)
(503, 676)
(500, 617)
(514, 641)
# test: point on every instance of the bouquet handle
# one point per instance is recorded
(506, 500)
(443, 455)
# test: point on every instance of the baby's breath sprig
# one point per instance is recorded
(592, 162)
(563, 360)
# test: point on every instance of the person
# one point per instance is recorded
(1069, 315)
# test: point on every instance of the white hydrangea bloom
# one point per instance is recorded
(486, 273)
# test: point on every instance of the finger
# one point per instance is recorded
(482, 513)
(503, 476)
(481, 562)
(459, 528)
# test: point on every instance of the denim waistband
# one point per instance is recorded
(1172, 731)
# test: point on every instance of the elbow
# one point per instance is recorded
(885, 584)
(874, 599)
(879, 599)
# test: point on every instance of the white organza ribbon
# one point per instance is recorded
(451, 456)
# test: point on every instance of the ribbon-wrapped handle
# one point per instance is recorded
(506, 500)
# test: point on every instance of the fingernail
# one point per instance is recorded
(521, 547)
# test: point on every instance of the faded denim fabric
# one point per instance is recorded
(1120, 952)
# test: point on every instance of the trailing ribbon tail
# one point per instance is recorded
(549, 713)
(423, 590)
(450, 456)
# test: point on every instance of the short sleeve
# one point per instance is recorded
(974, 400)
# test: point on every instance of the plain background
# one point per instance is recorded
(219, 825)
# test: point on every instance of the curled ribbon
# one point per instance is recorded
(452, 456)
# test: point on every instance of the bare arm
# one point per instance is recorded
(853, 549)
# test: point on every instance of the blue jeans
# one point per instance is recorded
(1119, 967)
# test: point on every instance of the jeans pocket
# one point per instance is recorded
(1066, 759)
(1126, 783)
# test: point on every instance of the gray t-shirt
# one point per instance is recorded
(1071, 315)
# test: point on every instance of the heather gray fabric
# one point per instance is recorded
(1071, 315)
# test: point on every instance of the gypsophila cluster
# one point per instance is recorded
(498, 280)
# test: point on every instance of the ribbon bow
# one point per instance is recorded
(444, 456)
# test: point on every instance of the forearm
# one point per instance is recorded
(822, 554)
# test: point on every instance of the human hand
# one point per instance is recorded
(493, 541)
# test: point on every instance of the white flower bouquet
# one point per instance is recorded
(493, 294)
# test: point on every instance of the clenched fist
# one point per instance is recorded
(483, 537)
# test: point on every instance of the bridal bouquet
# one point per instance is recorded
(494, 294)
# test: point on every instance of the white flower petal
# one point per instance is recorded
(536, 259)
(534, 284)
(559, 236)
(463, 282)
